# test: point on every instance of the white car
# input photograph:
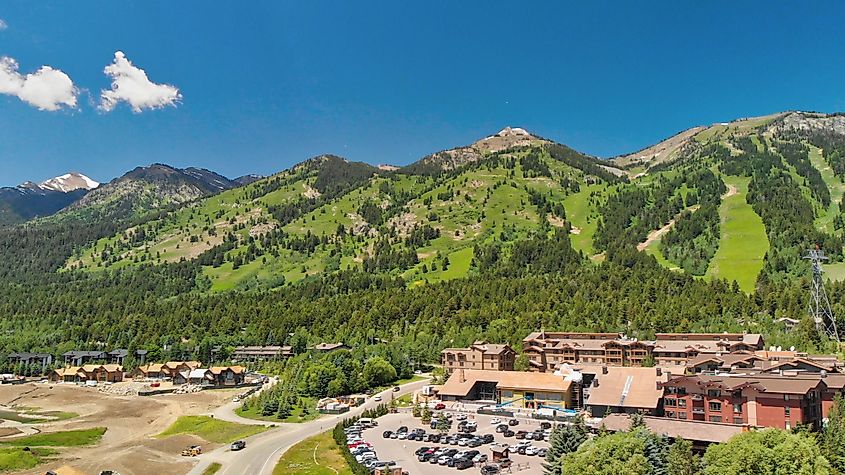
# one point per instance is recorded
(376, 398)
(462, 442)
(495, 420)
(402, 436)
(531, 450)
(480, 458)
(461, 417)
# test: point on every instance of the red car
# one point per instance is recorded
(440, 406)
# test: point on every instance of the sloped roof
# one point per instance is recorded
(235, 369)
(676, 428)
(460, 383)
(197, 373)
(627, 387)
(767, 383)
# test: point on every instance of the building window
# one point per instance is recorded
(714, 393)
(670, 414)
(682, 415)
(682, 403)
(670, 402)
(787, 411)
(715, 406)
(715, 418)
(738, 420)
(738, 408)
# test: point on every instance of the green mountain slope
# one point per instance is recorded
(421, 223)
(739, 201)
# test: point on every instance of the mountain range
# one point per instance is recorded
(738, 201)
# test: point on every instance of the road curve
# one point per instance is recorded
(264, 450)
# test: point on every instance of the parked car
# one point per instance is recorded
(541, 452)
(513, 422)
(440, 406)
(421, 451)
(501, 428)
(490, 470)
(520, 434)
(238, 445)
(488, 438)
(508, 433)
(463, 464)
(495, 420)
(396, 389)
(402, 429)
(461, 417)
(480, 458)
(386, 434)
(376, 398)
(545, 425)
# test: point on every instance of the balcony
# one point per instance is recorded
(698, 410)
(696, 397)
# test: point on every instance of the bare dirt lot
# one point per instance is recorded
(127, 446)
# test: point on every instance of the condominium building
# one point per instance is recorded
(480, 355)
(546, 351)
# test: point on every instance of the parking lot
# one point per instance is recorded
(402, 451)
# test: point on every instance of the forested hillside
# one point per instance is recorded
(490, 240)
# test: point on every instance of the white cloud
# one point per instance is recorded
(3, 25)
(131, 85)
(47, 89)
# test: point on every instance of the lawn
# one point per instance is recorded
(68, 438)
(297, 413)
(15, 459)
(743, 243)
(318, 455)
(210, 429)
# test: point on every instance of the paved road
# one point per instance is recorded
(264, 450)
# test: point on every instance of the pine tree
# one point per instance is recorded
(564, 440)
(832, 439)
(680, 460)
(656, 448)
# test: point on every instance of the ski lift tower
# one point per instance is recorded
(819, 305)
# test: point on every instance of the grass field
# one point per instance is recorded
(743, 242)
(15, 459)
(653, 249)
(578, 212)
(835, 272)
(212, 430)
(68, 438)
(318, 455)
(298, 414)
(824, 221)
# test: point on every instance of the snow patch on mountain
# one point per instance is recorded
(69, 182)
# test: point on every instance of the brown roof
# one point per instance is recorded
(627, 387)
(676, 428)
(219, 369)
(176, 364)
(725, 360)
(461, 382)
(491, 348)
(151, 368)
(111, 368)
(768, 383)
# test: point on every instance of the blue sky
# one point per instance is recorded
(266, 86)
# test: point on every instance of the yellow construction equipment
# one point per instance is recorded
(192, 451)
